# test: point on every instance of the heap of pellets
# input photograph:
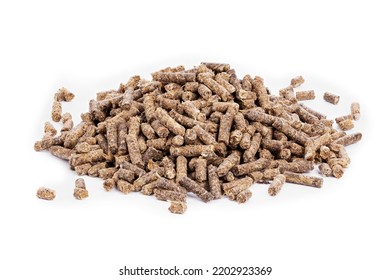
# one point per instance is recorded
(201, 130)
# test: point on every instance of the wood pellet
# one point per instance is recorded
(203, 131)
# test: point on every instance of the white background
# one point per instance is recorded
(340, 231)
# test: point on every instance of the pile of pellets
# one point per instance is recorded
(201, 130)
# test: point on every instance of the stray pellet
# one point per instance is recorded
(355, 110)
(297, 81)
(178, 207)
(331, 98)
(63, 94)
(305, 95)
(46, 193)
(80, 192)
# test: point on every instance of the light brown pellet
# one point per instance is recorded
(106, 173)
(232, 160)
(343, 118)
(169, 122)
(146, 179)
(194, 187)
(169, 168)
(181, 168)
(75, 134)
(178, 207)
(249, 154)
(177, 77)
(204, 91)
(67, 122)
(201, 170)
(168, 195)
(276, 185)
(349, 139)
(301, 179)
(232, 189)
(247, 168)
(63, 94)
(325, 169)
(191, 150)
(305, 95)
(346, 124)
(123, 186)
(244, 196)
(215, 186)
(297, 81)
(109, 184)
(226, 125)
(46, 193)
(56, 111)
(355, 110)
(80, 192)
(178, 140)
(331, 98)
(82, 169)
(60, 152)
